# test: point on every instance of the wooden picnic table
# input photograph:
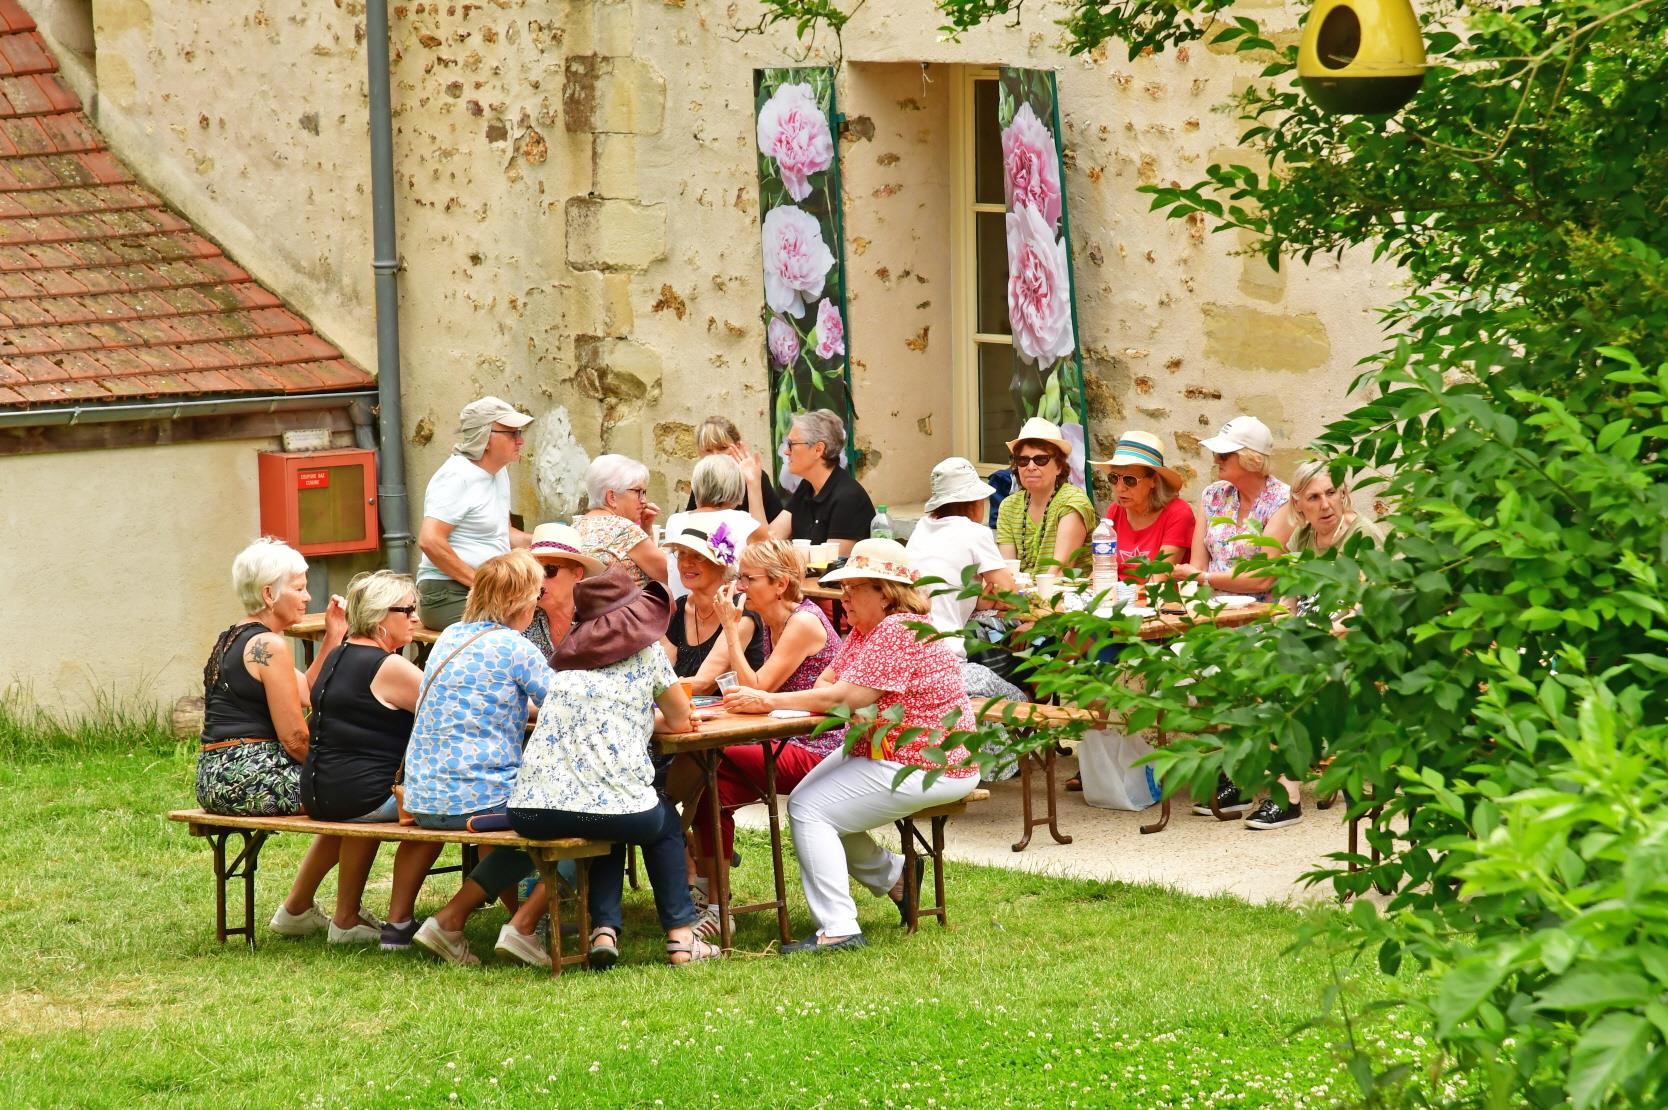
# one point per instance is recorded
(310, 631)
(814, 589)
(715, 731)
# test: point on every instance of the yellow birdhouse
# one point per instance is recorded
(1361, 57)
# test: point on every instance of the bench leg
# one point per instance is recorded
(631, 866)
(242, 866)
(556, 889)
(1049, 762)
(912, 907)
(914, 845)
(943, 910)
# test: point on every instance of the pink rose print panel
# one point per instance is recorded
(801, 248)
(1048, 371)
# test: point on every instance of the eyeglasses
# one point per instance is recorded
(1032, 460)
(640, 491)
(551, 570)
(1128, 481)
(790, 444)
(514, 433)
(752, 577)
(408, 610)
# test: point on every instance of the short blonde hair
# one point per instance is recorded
(1254, 462)
(900, 598)
(717, 481)
(371, 594)
(266, 562)
(716, 433)
(504, 586)
(777, 560)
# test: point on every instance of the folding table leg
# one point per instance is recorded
(718, 864)
(773, 807)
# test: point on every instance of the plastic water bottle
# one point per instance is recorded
(1103, 547)
(881, 527)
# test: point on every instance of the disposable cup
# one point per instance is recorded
(688, 687)
(727, 682)
(1012, 565)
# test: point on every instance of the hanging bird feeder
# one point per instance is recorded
(1361, 57)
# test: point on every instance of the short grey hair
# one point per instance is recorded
(824, 426)
(266, 562)
(371, 594)
(718, 481)
(716, 433)
(613, 472)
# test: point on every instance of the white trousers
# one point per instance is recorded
(831, 812)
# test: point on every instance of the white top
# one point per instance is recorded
(742, 524)
(477, 506)
(590, 751)
(943, 548)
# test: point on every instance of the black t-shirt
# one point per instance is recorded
(842, 511)
(358, 743)
(691, 656)
(772, 502)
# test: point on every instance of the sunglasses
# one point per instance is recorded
(408, 610)
(1224, 456)
(1128, 481)
(514, 433)
(1032, 460)
(551, 570)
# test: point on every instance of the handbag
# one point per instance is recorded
(403, 815)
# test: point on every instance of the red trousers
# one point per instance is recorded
(740, 781)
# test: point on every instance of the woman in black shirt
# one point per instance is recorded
(695, 640)
(362, 713)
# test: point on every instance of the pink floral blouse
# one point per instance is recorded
(1221, 499)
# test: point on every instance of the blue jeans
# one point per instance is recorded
(381, 815)
(498, 871)
(657, 831)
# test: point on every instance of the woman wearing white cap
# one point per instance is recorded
(1047, 518)
(559, 550)
(1249, 497)
(885, 665)
(949, 540)
(1153, 523)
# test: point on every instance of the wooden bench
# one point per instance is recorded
(914, 845)
(254, 832)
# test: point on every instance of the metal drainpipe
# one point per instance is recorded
(394, 510)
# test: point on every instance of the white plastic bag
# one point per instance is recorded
(1104, 763)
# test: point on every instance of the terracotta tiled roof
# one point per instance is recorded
(105, 294)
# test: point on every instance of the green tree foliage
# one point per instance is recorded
(1495, 709)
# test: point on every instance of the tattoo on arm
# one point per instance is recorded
(260, 654)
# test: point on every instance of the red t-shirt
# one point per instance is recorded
(1173, 528)
(920, 675)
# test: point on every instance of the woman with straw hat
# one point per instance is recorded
(560, 551)
(1154, 525)
(1046, 519)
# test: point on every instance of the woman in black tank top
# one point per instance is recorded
(363, 707)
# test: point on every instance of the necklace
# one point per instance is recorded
(696, 611)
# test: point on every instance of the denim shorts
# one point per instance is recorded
(381, 815)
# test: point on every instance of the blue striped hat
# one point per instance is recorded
(1141, 449)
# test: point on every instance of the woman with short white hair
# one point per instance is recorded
(718, 489)
(619, 525)
(255, 731)
(828, 505)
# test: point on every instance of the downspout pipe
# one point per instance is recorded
(385, 261)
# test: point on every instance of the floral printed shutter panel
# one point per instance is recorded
(803, 250)
(1042, 308)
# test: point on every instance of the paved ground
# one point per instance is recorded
(1198, 855)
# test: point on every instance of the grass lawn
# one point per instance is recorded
(1043, 992)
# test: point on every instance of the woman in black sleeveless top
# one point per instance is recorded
(362, 712)
(254, 714)
(696, 636)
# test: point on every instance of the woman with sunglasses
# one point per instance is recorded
(1154, 525)
(620, 524)
(1244, 499)
(1046, 520)
(557, 547)
(362, 712)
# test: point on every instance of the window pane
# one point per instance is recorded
(993, 273)
(987, 145)
(998, 415)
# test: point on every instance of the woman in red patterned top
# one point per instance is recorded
(914, 686)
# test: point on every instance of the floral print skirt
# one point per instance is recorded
(249, 780)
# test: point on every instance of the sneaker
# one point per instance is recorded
(706, 926)
(513, 945)
(1228, 800)
(1269, 814)
(303, 924)
(361, 933)
(397, 938)
(813, 943)
(451, 947)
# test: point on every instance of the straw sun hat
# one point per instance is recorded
(885, 560)
(561, 541)
(1141, 449)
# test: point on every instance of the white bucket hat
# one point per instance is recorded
(883, 559)
(955, 480)
(1141, 449)
(1043, 431)
(561, 541)
(1240, 434)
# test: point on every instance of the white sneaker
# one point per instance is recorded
(303, 924)
(513, 945)
(359, 934)
(451, 947)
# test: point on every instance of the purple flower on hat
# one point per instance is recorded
(722, 545)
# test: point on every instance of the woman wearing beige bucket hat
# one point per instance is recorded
(1153, 523)
(1047, 518)
(882, 664)
(560, 551)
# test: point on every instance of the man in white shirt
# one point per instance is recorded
(466, 509)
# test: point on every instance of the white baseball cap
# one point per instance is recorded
(1240, 434)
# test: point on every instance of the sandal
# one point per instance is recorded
(605, 948)
(695, 949)
(1074, 785)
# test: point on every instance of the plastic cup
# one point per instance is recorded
(727, 682)
(1012, 565)
(688, 687)
(804, 546)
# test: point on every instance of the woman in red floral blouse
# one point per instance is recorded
(885, 665)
